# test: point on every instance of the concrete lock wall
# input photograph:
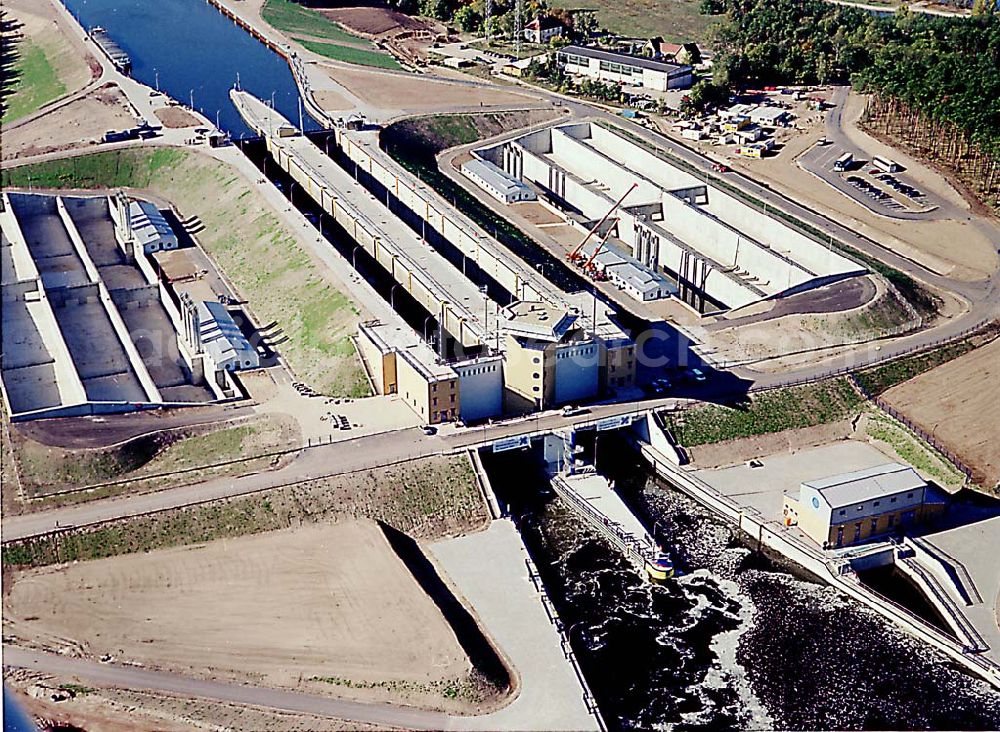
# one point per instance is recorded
(424, 204)
(592, 166)
(481, 388)
(808, 254)
(576, 373)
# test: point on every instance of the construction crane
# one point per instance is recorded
(575, 254)
(588, 266)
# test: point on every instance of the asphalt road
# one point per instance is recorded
(132, 677)
(337, 458)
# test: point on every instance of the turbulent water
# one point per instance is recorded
(735, 642)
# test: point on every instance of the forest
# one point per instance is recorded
(934, 81)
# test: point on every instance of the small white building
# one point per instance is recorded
(628, 274)
(769, 116)
(542, 29)
(498, 183)
(622, 68)
(150, 228)
(223, 340)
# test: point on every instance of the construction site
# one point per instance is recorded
(661, 231)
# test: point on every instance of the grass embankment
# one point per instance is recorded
(768, 412)
(351, 54)
(880, 379)
(282, 282)
(325, 37)
(427, 498)
(913, 450)
(678, 21)
(152, 461)
(37, 82)
(415, 143)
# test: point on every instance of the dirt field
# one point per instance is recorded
(176, 117)
(536, 213)
(331, 101)
(956, 403)
(79, 123)
(278, 609)
(401, 92)
(373, 21)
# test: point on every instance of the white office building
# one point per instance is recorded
(621, 68)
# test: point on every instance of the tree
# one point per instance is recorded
(468, 20)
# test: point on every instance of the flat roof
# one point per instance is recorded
(638, 61)
(535, 319)
(861, 485)
(487, 171)
(407, 343)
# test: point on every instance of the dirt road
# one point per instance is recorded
(127, 677)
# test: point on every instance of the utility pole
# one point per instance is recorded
(518, 27)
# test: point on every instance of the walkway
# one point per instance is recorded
(489, 570)
(977, 546)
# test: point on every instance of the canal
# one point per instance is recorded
(189, 50)
(735, 641)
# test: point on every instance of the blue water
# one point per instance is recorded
(14, 718)
(196, 51)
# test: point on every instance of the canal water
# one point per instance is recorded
(734, 642)
(191, 50)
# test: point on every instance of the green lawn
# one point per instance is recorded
(351, 54)
(678, 21)
(37, 83)
(770, 411)
(290, 17)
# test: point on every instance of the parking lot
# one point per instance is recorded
(883, 192)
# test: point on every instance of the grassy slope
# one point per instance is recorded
(268, 266)
(351, 54)
(45, 469)
(772, 411)
(678, 21)
(37, 85)
(428, 498)
(324, 36)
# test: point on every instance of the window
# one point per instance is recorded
(909, 495)
(534, 388)
(452, 398)
(857, 531)
(843, 512)
(861, 507)
(877, 503)
(874, 526)
(892, 521)
(840, 536)
(892, 500)
(435, 401)
(536, 375)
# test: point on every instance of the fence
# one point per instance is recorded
(916, 429)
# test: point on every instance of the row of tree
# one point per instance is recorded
(934, 81)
